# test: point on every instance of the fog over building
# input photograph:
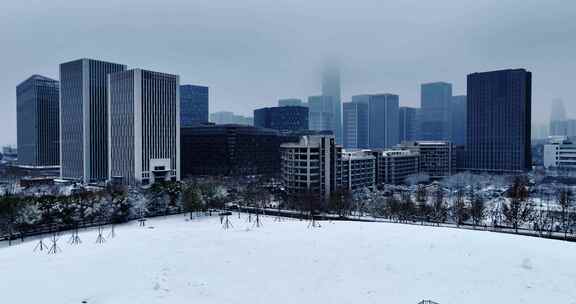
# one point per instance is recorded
(558, 120)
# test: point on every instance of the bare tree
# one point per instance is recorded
(519, 209)
(458, 208)
(565, 201)
(477, 210)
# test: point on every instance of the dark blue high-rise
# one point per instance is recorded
(38, 124)
(499, 121)
(193, 105)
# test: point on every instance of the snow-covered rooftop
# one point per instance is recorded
(181, 261)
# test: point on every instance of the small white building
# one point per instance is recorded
(394, 166)
(437, 158)
(358, 170)
(560, 153)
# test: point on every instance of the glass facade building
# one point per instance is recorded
(499, 121)
(194, 105)
(382, 119)
(38, 123)
(435, 111)
(84, 119)
(408, 123)
(355, 125)
(283, 119)
(321, 113)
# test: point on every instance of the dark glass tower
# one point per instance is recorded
(499, 121)
(37, 102)
(193, 105)
(84, 119)
(284, 119)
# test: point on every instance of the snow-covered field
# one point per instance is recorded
(181, 261)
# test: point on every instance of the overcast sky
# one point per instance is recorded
(252, 52)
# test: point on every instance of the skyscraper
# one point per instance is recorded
(144, 134)
(458, 120)
(284, 119)
(408, 123)
(331, 87)
(558, 121)
(193, 105)
(321, 113)
(382, 119)
(499, 121)
(84, 119)
(37, 103)
(355, 125)
(435, 115)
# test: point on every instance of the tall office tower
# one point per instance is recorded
(37, 104)
(283, 119)
(355, 125)
(290, 102)
(382, 119)
(558, 124)
(499, 118)
(435, 115)
(193, 105)
(321, 113)
(144, 133)
(458, 120)
(408, 123)
(331, 87)
(84, 119)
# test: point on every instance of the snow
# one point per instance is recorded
(179, 261)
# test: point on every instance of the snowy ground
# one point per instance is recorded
(197, 261)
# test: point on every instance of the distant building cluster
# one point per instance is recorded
(103, 122)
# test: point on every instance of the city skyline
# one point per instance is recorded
(248, 66)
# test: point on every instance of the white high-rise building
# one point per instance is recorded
(144, 127)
